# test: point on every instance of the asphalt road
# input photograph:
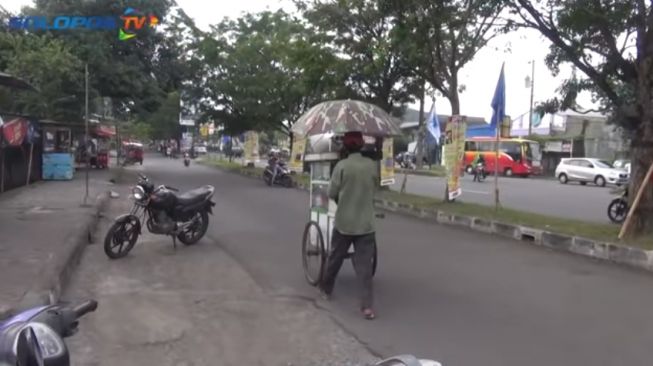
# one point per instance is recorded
(460, 297)
(542, 196)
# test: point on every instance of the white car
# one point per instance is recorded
(200, 150)
(585, 170)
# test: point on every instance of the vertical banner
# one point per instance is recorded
(297, 154)
(454, 151)
(387, 164)
(251, 147)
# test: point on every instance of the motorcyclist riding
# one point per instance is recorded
(479, 162)
(273, 162)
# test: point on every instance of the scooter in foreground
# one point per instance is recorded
(34, 337)
(182, 216)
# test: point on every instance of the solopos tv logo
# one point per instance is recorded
(132, 21)
(128, 24)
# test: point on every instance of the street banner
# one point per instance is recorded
(387, 164)
(15, 131)
(297, 155)
(454, 151)
(251, 147)
(204, 130)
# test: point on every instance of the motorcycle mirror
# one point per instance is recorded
(28, 349)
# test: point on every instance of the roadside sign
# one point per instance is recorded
(454, 151)
(387, 163)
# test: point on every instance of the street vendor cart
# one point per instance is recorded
(323, 127)
(58, 160)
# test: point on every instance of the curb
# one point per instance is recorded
(55, 276)
(417, 172)
(596, 249)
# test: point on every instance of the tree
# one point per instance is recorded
(51, 66)
(263, 71)
(360, 33)
(136, 74)
(611, 43)
(440, 37)
(164, 122)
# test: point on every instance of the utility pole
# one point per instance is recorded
(86, 139)
(530, 111)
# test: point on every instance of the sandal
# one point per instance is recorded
(368, 314)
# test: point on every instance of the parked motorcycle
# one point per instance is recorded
(479, 172)
(166, 212)
(283, 175)
(186, 160)
(34, 337)
(618, 207)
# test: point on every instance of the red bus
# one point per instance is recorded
(516, 156)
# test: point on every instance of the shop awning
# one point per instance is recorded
(105, 131)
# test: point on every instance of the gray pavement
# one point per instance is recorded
(461, 297)
(36, 225)
(195, 306)
(541, 196)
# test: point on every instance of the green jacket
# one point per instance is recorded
(353, 184)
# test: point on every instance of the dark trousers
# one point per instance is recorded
(364, 246)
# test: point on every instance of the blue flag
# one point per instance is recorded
(433, 125)
(499, 102)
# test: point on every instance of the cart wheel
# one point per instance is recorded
(313, 253)
(375, 261)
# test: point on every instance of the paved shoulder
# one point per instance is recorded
(196, 306)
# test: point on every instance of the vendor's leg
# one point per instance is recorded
(339, 247)
(364, 247)
(275, 170)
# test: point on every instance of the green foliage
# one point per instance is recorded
(162, 123)
(263, 71)
(51, 66)
(610, 43)
(440, 37)
(599, 39)
(372, 65)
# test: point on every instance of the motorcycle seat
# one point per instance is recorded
(194, 196)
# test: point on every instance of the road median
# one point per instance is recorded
(593, 240)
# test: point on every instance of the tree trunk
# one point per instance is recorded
(454, 99)
(642, 152)
(642, 158)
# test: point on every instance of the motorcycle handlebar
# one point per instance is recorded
(171, 188)
(84, 308)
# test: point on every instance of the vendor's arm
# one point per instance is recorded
(334, 184)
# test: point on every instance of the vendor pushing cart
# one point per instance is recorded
(329, 233)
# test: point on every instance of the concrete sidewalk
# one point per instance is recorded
(195, 306)
(43, 229)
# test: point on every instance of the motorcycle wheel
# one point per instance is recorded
(617, 210)
(196, 231)
(287, 181)
(121, 238)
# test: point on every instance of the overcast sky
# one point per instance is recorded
(480, 76)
